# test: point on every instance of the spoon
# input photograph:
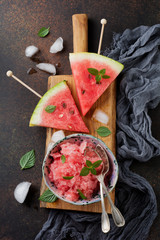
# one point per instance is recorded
(105, 223)
(116, 214)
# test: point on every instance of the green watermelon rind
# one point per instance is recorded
(80, 56)
(35, 118)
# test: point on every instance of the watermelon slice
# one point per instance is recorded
(65, 115)
(87, 87)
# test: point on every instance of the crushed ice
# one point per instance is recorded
(100, 116)
(57, 46)
(58, 135)
(30, 51)
(47, 67)
(21, 191)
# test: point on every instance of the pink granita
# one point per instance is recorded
(75, 160)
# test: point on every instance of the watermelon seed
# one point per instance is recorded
(90, 76)
(64, 105)
(61, 115)
(71, 111)
(69, 126)
(83, 91)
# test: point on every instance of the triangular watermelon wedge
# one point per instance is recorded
(88, 89)
(65, 116)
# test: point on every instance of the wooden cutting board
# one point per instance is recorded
(107, 102)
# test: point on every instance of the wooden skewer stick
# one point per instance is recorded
(103, 22)
(10, 74)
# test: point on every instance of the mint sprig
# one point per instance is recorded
(28, 160)
(90, 168)
(81, 194)
(68, 177)
(93, 71)
(98, 74)
(96, 164)
(48, 196)
(63, 159)
(84, 171)
(102, 71)
(103, 131)
(50, 108)
(43, 32)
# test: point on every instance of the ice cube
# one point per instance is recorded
(47, 67)
(21, 191)
(57, 46)
(58, 135)
(30, 51)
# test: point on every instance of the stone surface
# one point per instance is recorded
(20, 22)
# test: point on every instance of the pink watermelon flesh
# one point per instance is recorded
(66, 115)
(88, 90)
(75, 161)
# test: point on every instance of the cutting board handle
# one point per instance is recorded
(80, 32)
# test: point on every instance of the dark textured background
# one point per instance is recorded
(20, 22)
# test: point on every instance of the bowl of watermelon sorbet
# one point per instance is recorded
(63, 174)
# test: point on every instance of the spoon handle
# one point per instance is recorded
(105, 224)
(116, 214)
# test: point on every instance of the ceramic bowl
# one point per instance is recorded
(110, 179)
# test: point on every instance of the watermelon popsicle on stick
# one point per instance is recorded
(93, 73)
(56, 108)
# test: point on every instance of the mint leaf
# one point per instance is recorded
(98, 78)
(105, 76)
(68, 177)
(48, 196)
(93, 171)
(102, 71)
(84, 171)
(103, 131)
(89, 163)
(43, 32)
(81, 194)
(97, 163)
(93, 71)
(63, 159)
(28, 160)
(50, 108)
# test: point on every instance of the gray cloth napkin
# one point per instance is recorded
(138, 90)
